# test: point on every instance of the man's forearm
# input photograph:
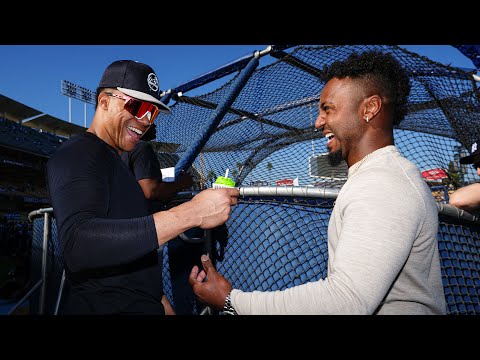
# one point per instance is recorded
(467, 198)
(169, 224)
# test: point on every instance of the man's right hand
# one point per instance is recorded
(208, 285)
(214, 206)
(207, 210)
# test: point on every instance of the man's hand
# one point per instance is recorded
(208, 285)
(213, 206)
(207, 210)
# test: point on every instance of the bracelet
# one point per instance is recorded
(228, 308)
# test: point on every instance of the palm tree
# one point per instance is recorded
(269, 168)
(211, 176)
(454, 176)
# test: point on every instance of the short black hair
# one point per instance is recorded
(380, 72)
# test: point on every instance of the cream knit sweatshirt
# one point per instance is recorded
(382, 249)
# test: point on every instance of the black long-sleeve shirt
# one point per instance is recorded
(108, 239)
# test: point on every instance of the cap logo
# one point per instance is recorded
(474, 147)
(152, 82)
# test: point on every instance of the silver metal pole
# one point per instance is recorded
(85, 114)
(60, 291)
(39, 212)
(27, 295)
(207, 310)
(69, 109)
(290, 191)
(266, 51)
(46, 234)
(454, 212)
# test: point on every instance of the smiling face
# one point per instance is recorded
(341, 118)
(119, 128)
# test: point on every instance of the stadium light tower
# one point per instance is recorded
(80, 93)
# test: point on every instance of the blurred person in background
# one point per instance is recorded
(468, 197)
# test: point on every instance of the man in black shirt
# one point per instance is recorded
(144, 164)
(108, 237)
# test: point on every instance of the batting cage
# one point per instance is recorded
(260, 126)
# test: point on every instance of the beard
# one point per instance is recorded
(335, 158)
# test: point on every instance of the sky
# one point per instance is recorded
(32, 74)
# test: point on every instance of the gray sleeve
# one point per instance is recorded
(378, 226)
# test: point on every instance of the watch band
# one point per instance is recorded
(228, 308)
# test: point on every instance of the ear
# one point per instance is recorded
(373, 104)
(103, 100)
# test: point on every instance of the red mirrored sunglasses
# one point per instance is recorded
(138, 108)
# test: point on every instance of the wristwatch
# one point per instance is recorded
(228, 308)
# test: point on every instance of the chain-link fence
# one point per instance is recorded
(273, 243)
(267, 137)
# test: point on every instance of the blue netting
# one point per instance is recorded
(274, 244)
(268, 135)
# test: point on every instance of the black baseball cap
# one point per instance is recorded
(474, 154)
(135, 79)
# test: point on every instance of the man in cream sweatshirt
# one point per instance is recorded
(382, 235)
